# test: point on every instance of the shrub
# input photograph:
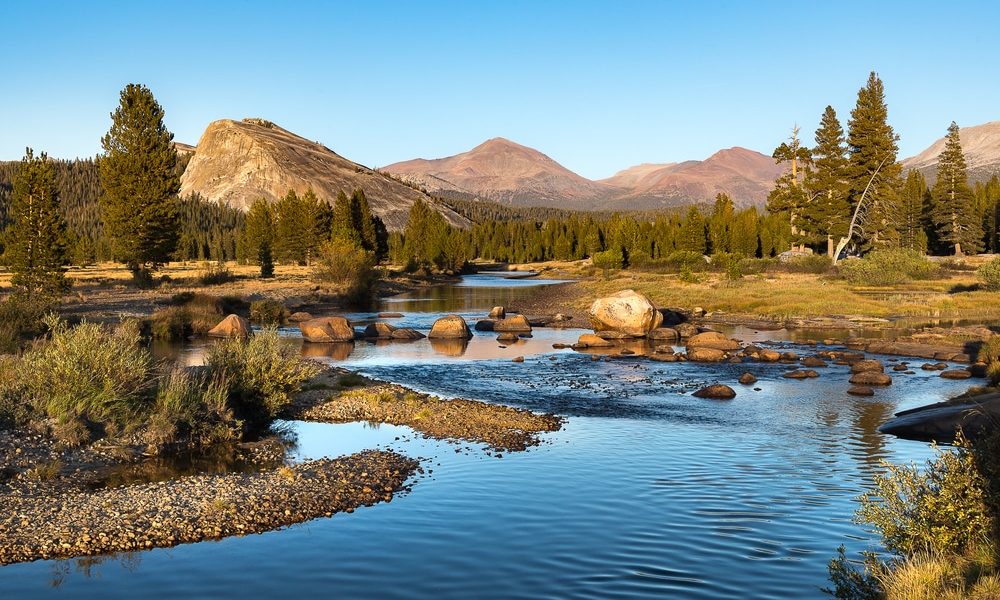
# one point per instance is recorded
(89, 373)
(193, 407)
(349, 267)
(943, 509)
(609, 260)
(889, 267)
(989, 274)
(20, 319)
(192, 314)
(264, 373)
(215, 274)
(814, 263)
(679, 259)
(268, 312)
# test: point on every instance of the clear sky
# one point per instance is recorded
(596, 86)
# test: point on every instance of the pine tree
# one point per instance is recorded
(912, 209)
(342, 225)
(828, 211)
(788, 196)
(952, 201)
(258, 237)
(872, 158)
(692, 234)
(139, 176)
(35, 242)
(293, 229)
(744, 234)
(988, 201)
(720, 223)
(364, 221)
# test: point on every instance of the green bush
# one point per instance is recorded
(192, 407)
(814, 263)
(90, 374)
(192, 314)
(888, 267)
(264, 373)
(942, 509)
(349, 267)
(215, 274)
(609, 260)
(20, 320)
(268, 312)
(989, 274)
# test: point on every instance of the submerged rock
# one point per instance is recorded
(627, 311)
(860, 390)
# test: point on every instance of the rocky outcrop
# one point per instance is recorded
(231, 326)
(237, 162)
(450, 327)
(628, 312)
(939, 422)
(327, 330)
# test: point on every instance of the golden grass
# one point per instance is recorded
(930, 577)
(787, 295)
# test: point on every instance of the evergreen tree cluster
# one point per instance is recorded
(848, 191)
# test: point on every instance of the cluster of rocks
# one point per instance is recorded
(167, 513)
(331, 330)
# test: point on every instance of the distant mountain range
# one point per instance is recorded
(504, 171)
(236, 162)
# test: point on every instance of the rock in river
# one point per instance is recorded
(955, 374)
(627, 311)
(748, 379)
(717, 391)
(327, 330)
(231, 326)
(589, 340)
(513, 323)
(705, 355)
(450, 327)
(712, 339)
(870, 378)
(379, 330)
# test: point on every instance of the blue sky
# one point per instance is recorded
(596, 86)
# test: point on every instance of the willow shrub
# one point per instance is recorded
(264, 373)
(349, 267)
(888, 267)
(989, 275)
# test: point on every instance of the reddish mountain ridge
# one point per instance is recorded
(981, 145)
(503, 171)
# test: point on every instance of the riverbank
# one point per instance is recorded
(193, 509)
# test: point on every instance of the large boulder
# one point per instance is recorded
(231, 326)
(717, 391)
(712, 339)
(327, 330)
(627, 311)
(382, 331)
(450, 327)
(513, 324)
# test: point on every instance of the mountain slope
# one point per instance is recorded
(981, 144)
(747, 176)
(236, 162)
(503, 171)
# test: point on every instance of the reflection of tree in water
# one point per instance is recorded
(867, 416)
(87, 566)
(862, 418)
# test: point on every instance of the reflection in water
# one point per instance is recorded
(337, 351)
(87, 566)
(449, 347)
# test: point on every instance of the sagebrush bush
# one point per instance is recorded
(193, 407)
(268, 312)
(21, 319)
(989, 275)
(350, 268)
(264, 372)
(889, 267)
(90, 373)
(215, 274)
(814, 263)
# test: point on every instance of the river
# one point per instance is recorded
(645, 492)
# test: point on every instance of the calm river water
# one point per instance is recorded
(646, 492)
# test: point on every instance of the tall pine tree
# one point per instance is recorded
(912, 212)
(258, 237)
(952, 212)
(35, 242)
(872, 153)
(139, 176)
(828, 211)
(788, 197)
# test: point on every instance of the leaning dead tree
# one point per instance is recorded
(859, 219)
